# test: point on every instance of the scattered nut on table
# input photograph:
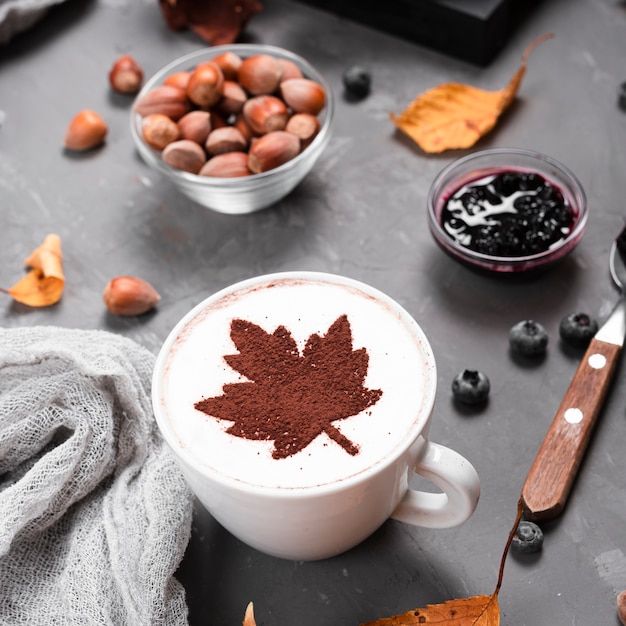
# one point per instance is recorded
(621, 607)
(126, 75)
(128, 296)
(86, 130)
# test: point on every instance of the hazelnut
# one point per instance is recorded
(303, 95)
(206, 85)
(126, 75)
(227, 165)
(265, 114)
(229, 63)
(227, 105)
(195, 125)
(304, 126)
(621, 607)
(178, 79)
(233, 98)
(272, 150)
(129, 296)
(166, 99)
(226, 139)
(260, 74)
(184, 155)
(86, 130)
(290, 69)
(243, 126)
(217, 120)
(158, 130)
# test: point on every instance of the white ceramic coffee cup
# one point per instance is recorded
(326, 517)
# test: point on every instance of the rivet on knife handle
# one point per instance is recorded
(554, 469)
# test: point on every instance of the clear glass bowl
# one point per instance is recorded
(493, 161)
(250, 193)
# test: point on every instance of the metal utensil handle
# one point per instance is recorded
(554, 469)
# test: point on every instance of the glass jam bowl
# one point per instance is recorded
(507, 210)
(242, 194)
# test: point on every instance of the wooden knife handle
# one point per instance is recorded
(554, 469)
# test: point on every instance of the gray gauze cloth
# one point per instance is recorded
(20, 15)
(94, 514)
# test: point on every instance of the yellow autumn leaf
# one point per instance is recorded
(454, 115)
(43, 284)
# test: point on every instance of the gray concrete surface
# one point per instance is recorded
(361, 212)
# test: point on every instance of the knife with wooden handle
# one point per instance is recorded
(554, 469)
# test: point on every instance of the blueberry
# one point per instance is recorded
(506, 183)
(530, 181)
(527, 205)
(357, 80)
(551, 194)
(471, 202)
(577, 329)
(528, 538)
(529, 338)
(470, 387)
(621, 96)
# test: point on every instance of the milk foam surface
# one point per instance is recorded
(399, 364)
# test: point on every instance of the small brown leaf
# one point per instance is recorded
(455, 116)
(216, 21)
(474, 611)
(43, 285)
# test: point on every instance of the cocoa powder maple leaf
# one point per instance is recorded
(292, 398)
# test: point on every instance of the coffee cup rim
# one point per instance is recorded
(418, 429)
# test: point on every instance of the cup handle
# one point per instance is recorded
(458, 480)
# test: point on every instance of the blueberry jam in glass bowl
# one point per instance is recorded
(507, 210)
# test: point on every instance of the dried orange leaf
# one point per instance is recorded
(248, 619)
(476, 611)
(43, 285)
(454, 115)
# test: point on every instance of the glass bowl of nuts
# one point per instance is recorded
(507, 210)
(235, 127)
